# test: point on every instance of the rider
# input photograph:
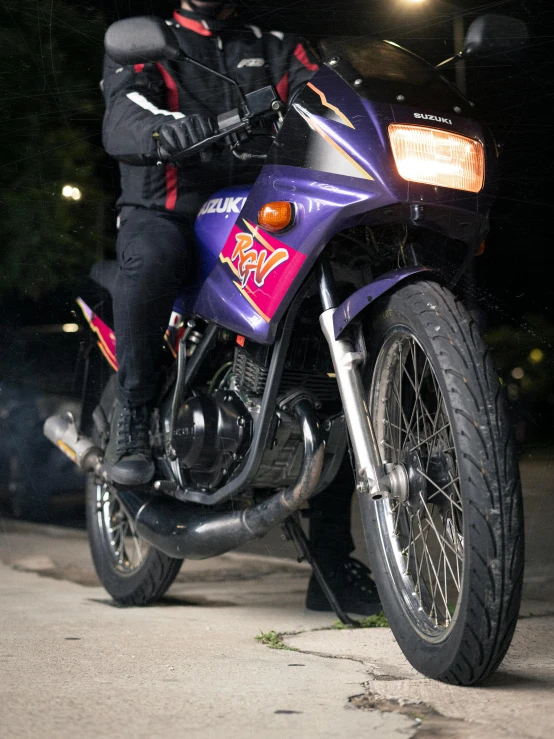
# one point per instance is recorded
(153, 113)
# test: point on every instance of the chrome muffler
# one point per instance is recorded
(62, 431)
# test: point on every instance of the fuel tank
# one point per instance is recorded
(214, 223)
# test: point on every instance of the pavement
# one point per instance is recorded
(74, 665)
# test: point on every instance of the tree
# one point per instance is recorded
(50, 119)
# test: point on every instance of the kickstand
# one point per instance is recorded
(294, 532)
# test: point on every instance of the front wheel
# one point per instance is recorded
(447, 551)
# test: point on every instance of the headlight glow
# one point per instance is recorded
(437, 157)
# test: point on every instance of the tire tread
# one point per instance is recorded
(494, 562)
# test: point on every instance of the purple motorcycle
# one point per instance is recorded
(324, 320)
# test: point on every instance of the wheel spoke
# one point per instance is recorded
(426, 441)
(424, 525)
(442, 542)
(126, 547)
(442, 490)
(408, 430)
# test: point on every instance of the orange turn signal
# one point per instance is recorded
(276, 216)
(438, 157)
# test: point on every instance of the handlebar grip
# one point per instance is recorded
(205, 143)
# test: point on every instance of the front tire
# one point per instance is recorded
(446, 552)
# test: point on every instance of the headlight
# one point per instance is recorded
(438, 157)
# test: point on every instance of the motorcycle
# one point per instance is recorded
(324, 320)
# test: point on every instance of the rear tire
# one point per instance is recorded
(447, 554)
(133, 573)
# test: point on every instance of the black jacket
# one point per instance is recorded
(140, 98)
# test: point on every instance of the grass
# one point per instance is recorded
(273, 640)
(368, 622)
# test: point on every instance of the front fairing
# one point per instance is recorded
(337, 129)
(332, 158)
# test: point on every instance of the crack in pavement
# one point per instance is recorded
(429, 722)
(490, 710)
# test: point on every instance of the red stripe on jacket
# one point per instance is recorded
(192, 25)
(300, 54)
(171, 175)
(171, 185)
(172, 91)
(282, 87)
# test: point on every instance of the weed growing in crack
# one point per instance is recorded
(368, 622)
(273, 640)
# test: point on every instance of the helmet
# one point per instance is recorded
(208, 8)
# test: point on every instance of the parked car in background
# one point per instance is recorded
(32, 472)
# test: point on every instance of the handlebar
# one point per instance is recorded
(220, 134)
(258, 105)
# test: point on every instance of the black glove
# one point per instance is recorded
(176, 136)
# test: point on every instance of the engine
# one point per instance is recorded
(209, 434)
(212, 431)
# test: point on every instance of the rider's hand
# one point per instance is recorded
(178, 135)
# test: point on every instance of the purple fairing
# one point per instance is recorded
(359, 300)
(213, 225)
(339, 172)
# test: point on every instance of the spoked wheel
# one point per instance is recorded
(132, 572)
(128, 550)
(423, 527)
(446, 547)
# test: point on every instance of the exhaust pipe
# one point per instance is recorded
(62, 431)
(188, 531)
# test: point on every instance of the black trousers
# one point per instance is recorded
(155, 258)
(155, 252)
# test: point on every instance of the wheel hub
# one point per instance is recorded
(416, 484)
(407, 481)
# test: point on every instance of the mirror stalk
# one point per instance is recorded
(184, 58)
(450, 61)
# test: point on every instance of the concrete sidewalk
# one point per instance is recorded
(73, 665)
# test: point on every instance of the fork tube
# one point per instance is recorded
(346, 361)
(327, 288)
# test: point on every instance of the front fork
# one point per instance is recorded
(371, 476)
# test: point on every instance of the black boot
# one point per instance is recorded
(128, 457)
(351, 583)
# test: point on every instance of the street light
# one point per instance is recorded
(69, 192)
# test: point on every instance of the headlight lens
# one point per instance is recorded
(438, 157)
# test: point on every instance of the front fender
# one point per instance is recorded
(355, 304)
